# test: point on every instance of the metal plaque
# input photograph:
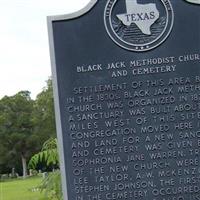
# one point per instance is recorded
(126, 77)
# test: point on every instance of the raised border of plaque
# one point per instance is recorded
(50, 20)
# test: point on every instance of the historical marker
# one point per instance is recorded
(127, 93)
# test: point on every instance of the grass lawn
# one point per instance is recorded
(20, 190)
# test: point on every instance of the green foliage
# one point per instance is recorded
(51, 185)
(25, 125)
(43, 113)
(48, 154)
(16, 129)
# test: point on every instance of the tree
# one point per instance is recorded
(24, 126)
(16, 128)
(43, 115)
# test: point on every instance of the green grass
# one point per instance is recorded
(21, 189)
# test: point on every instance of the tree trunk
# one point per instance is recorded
(24, 166)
